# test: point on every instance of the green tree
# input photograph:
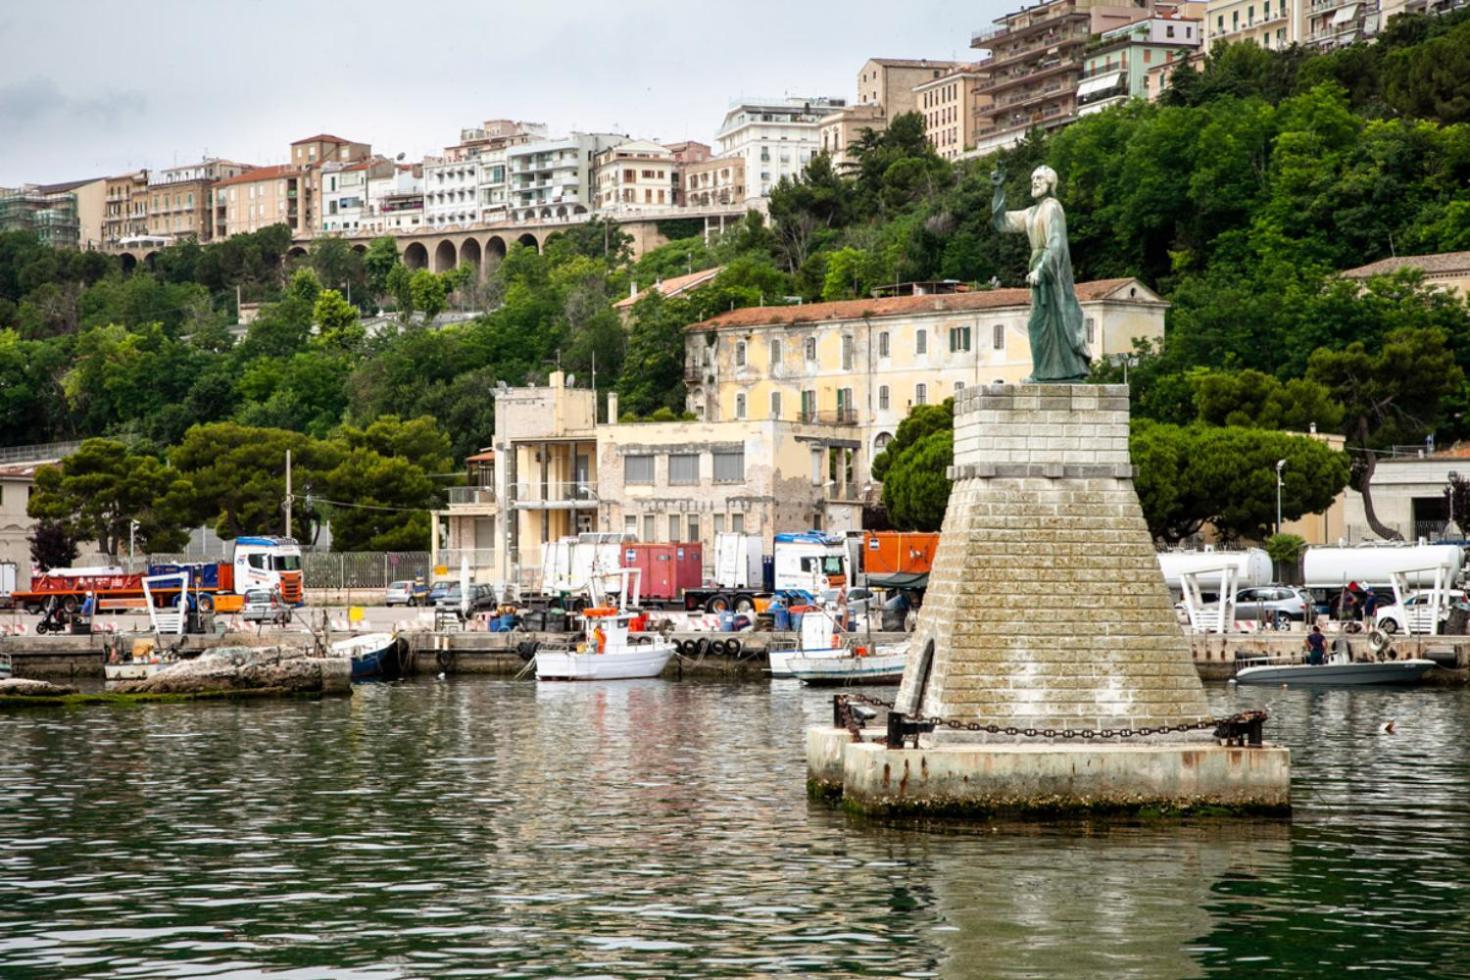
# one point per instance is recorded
(913, 468)
(98, 490)
(653, 370)
(337, 325)
(429, 294)
(378, 262)
(1391, 396)
(239, 476)
(1255, 400)
(399, 282)
(336, 264)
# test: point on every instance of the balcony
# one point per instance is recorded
(554, 496)
(828, 416)
(468, 496)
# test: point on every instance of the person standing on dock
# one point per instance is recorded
(1316, 647)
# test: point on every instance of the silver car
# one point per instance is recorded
(1278, 605)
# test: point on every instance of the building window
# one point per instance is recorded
(1091, 330)
(683, 469)
(818, 457)
(883, 344)
(737, 523)
(959, 386)
(775, 353)
(775, 404)
(674, 521)
(846, 352)
(650, 527)
(808, 405)
(719, 524)
(740, 406)
(810, 349)
(959, 340)
(883, 398)
(921, 342)
(730, 467)
(881, 443)
(998, 336)
(921, 396)
(693, 528)
(740, 353)
(638, 469)
(630, 525)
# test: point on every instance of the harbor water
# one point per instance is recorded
(486, 827)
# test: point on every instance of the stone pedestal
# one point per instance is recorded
(1046, 607)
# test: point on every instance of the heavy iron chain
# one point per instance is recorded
(1065, 733)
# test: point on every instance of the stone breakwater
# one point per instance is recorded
(283, 669)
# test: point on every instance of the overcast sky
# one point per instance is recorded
(94, 88)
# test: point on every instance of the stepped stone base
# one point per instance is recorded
(1046, 607)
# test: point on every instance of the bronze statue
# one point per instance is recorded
(1058, 337)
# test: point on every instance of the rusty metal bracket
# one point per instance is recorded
(1243, 729)
(902, 728)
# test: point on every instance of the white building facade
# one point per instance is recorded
(774, 137)
(551, 179)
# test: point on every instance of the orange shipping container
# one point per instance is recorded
(899, 552)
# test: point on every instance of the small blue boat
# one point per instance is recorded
(374, 656)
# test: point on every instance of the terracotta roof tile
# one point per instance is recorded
(259, 174)
(854, 309)
(1439, 262)
(673, 287)
(321, 138)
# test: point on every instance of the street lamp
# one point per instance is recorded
(1280, 465)
(1450, 493)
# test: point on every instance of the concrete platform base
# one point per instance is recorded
(1048, 779)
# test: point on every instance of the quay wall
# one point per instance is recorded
(1214, 655)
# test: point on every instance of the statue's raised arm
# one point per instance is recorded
(1001, 219)
(1058, 337)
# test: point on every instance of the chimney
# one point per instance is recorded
(612, 407)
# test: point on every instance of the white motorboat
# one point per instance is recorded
(373, 655)
(828, 657)
(608, 650)
(1338, 671)
(143, 662)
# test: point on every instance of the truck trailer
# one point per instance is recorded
(255, 563)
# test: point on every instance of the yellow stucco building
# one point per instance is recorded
(864, 364)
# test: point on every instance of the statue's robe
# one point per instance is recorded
(1056, 329)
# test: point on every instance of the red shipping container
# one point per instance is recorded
(666, 569)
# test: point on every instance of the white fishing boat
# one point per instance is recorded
(827, 656)
(1338, 671)
(373, 655)
(608, 650)
(142, 662)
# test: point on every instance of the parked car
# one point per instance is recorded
(264, 606)
(482, 598)
(406, 593)
(1278, 605)
(1414, 616)
(436, 593)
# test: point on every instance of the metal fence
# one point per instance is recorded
(363, 569)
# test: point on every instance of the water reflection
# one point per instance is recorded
(661, 829)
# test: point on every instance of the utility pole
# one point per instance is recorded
(288, 493)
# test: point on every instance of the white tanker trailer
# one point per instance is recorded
(1252, 567)
(1333, 568)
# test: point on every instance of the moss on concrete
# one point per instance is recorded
(824, 791)
(82, 700)
(1059, 809)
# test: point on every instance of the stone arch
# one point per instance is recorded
(296, 252)
(415, 256)
(360, 249)
(561, 211)
(469, 254)
(881, 442)
(494, 249)
(129, 262)
(529, 240)
(545, 213)
(444, 256)
(149, 259)
(579, 209)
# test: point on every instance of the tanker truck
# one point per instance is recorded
(1252, 567)
(1331, 569)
